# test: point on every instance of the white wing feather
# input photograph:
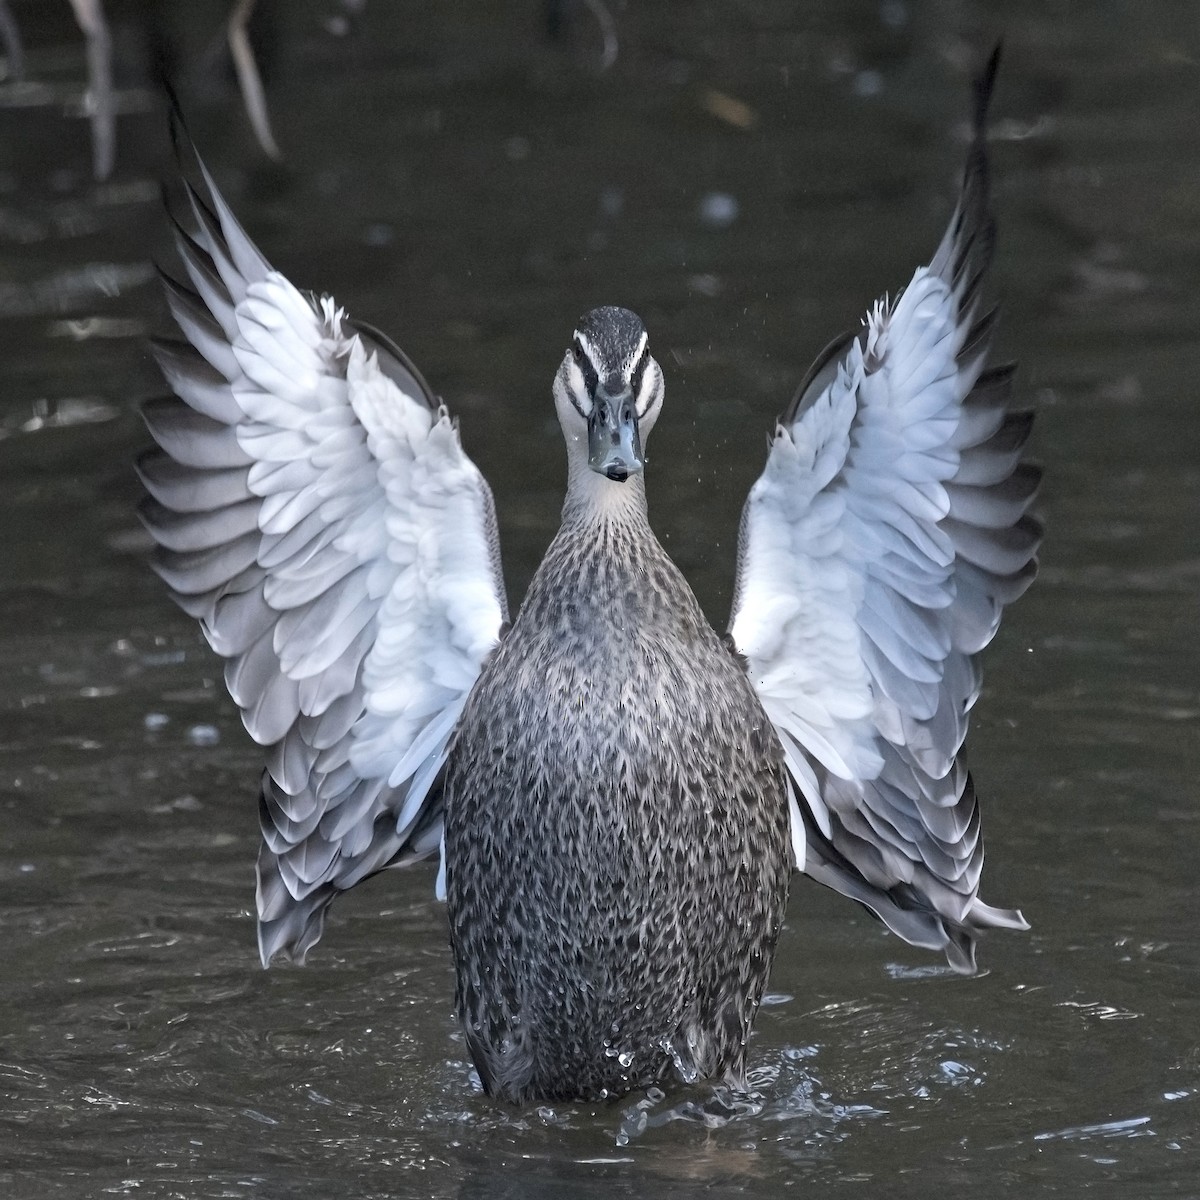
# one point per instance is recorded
(878, 548)
(315, 510)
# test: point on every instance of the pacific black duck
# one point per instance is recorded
(618, 794)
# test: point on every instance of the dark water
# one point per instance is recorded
(472, 187)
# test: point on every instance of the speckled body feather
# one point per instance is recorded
(616, 833)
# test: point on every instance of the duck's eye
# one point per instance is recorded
(577, 350)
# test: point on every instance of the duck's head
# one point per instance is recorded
(608, 392)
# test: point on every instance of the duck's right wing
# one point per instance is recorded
(314, 508)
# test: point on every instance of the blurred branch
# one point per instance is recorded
(10, 35)
(560, 15)
(101, 109)
(249, 79)
(608, 32)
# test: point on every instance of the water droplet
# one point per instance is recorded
(517, 149)
(612, 201)
(718, 210)
(379, 234)
(868, 83)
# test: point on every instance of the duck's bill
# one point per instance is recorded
(614, 444)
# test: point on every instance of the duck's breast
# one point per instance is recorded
(616, 836)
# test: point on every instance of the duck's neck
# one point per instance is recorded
(606, 574)
(594, 499)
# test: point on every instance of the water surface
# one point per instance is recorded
(749, 178)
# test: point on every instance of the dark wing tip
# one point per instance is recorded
(177, 126)
(985, 83)
(963, 256)
(977, 165)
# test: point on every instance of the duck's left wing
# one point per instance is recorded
(314, 508)
(877, 550)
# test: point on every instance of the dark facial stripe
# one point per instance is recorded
(635, 379)
(590, 379)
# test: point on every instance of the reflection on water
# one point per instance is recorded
(71, 289)
(748, 179)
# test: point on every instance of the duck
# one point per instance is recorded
(618, 795)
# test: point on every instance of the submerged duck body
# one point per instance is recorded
(617, 794)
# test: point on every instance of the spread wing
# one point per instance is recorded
(314, 508)
(878, 548)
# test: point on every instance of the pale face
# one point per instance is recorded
(609, 391)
